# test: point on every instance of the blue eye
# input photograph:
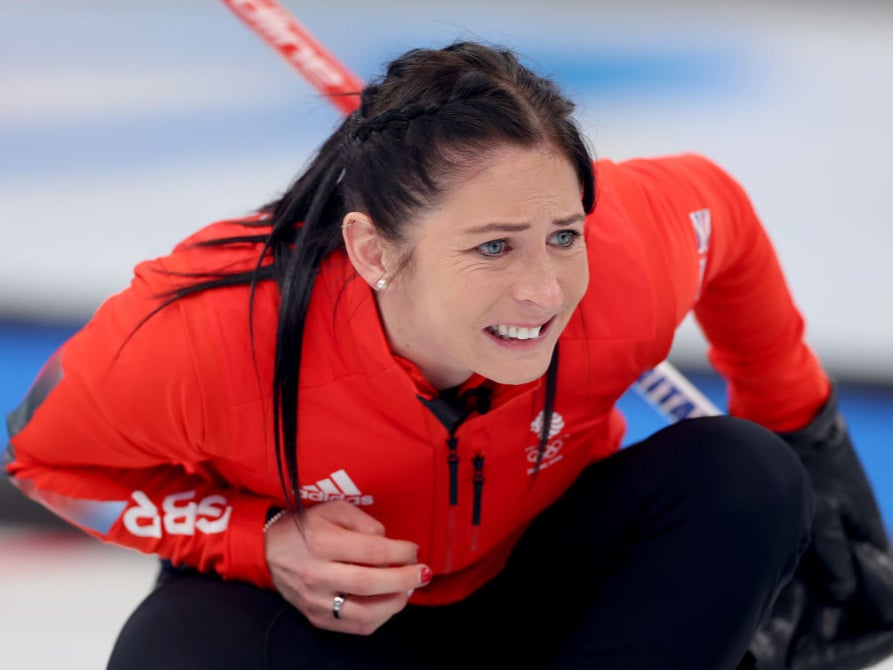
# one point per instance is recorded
(565, 238)
(492, 248)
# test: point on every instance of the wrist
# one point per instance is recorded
(273, 515)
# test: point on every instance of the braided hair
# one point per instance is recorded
(423, 123)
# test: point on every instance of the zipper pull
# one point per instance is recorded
(478, 485)
(478, 462)
(453, 461)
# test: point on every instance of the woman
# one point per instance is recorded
(373, 424)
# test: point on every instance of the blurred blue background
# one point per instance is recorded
(126, 125)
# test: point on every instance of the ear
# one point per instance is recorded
(365, 247)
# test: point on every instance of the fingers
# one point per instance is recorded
(367, 581)
(341, 532)
(360, 549)
(350, 516)
(358, 615)
(342, 551)
(369, 598)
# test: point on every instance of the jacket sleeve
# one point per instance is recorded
(740, 297)
(113, 434)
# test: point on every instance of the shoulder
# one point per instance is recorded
(666, 166)
(667, 186)
(690, 171)
(229, 245)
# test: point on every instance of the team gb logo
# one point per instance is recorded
(551, 455)
(555, 427)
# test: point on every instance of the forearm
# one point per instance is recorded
(162, 511)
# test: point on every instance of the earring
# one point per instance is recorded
(381, 284)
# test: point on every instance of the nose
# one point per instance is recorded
(538, 282)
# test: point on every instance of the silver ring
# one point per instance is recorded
(338, 604)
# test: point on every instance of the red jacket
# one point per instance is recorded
(159, 437)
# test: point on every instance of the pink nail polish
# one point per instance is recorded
(425, 576)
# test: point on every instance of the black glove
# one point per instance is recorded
(837, 611)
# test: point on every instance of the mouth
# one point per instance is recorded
(513, 332)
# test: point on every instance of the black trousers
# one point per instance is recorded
(666, 555)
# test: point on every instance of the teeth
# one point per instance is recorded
(514, 332)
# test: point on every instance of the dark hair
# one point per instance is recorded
(430, 117)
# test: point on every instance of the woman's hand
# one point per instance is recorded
(342, 551)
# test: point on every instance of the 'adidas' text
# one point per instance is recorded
(337, 486)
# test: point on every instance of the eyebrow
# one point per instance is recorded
(518, 227)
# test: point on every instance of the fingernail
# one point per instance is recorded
(425, 575)
(409, 593)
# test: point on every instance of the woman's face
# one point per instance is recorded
(494, 274)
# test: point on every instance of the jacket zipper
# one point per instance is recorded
(453, 464)
(478, 462)
(451, 418)
(478, 484)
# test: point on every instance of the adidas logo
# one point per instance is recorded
(337, 486)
